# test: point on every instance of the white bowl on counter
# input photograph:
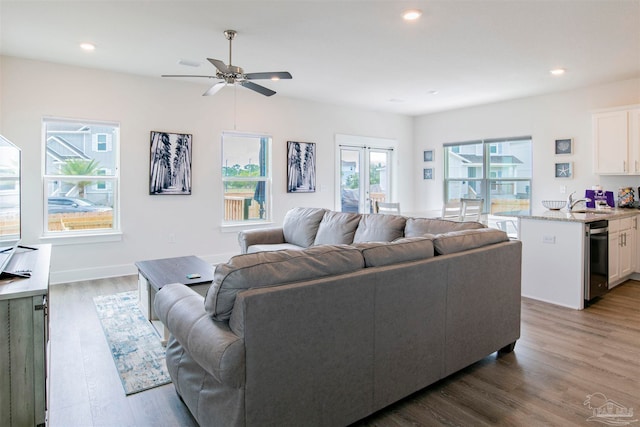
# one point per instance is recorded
(554, 205)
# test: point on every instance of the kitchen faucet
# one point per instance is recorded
(571, 203)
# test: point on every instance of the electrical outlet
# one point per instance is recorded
(549, 239)
(563, 189)
(172, 238)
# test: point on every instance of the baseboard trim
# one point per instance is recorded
(104, 272)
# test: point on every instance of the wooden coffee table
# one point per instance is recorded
(154, 274)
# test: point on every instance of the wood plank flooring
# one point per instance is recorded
(563, 356)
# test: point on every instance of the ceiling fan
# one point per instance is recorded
(231, 74)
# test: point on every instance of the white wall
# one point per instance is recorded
(546, 118)
(31, 90)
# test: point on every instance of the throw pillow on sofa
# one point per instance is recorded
(300, 225)
(337, 228)
(275, 268)
(379, 228)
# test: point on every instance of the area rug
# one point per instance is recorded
(135, 345)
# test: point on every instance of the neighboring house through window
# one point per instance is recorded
(246, 177)
(496, 170)
(77, 153)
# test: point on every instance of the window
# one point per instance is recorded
(496, 170)
(76, 201)
(246, 177)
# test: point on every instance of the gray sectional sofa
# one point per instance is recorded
(345, 321)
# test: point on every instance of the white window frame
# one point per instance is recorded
(268, 214)
(112, 183)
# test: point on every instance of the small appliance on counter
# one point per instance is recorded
(626, 198)
(599, 199)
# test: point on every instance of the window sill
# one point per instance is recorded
(235, 227)
(82, 238)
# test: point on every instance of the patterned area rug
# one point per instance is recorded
(135, 345)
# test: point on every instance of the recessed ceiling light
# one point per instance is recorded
(87, 46)
(433, 92)
(411, 14)
(558, 71)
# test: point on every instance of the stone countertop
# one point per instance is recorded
(580, 215)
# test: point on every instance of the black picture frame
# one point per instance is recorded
(427, 173)
(170, 163)
(428, 155)
(301, 167)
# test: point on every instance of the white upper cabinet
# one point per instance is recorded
(616, 142)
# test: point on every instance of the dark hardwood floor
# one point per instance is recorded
(562, 357)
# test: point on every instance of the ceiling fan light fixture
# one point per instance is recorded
(411, 14)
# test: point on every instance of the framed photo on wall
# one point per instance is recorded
(170, 166)
(564, 170)
(301, 167)
(427, 173)
(564, 146)
(428, 155)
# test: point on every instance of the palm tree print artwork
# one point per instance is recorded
(301, 167)
(170, 169)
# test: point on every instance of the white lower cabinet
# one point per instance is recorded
(622, 249)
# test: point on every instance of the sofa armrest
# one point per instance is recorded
(260, 236)
(211, 344)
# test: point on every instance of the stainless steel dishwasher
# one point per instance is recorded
(596, 263)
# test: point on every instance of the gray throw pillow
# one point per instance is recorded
(337, 228)
(301, 225)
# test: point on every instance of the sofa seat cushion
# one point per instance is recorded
(378, 254)
(458, 241)
(301, 225)
(379, 228)
(273, 247)
(337, 228)
(264, 269)
(418, 226)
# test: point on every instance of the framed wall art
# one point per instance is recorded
(170, 167)
(427, 173)
(564, 170)
(428, 155)
(564, 146)
(301, 167)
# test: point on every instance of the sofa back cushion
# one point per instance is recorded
(379, 228)
(419, 226)
(378, 254)
(337, 228)
(275, 268)
(458, 241)
(301, 225)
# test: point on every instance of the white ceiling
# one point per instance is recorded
(348, 52)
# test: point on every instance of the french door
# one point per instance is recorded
(365, 177)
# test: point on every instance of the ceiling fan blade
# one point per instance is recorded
(221, 66)
(275, 75)
(214, 89)
(260, 89)
(187, 75)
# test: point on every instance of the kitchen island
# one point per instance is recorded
(553, 251)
